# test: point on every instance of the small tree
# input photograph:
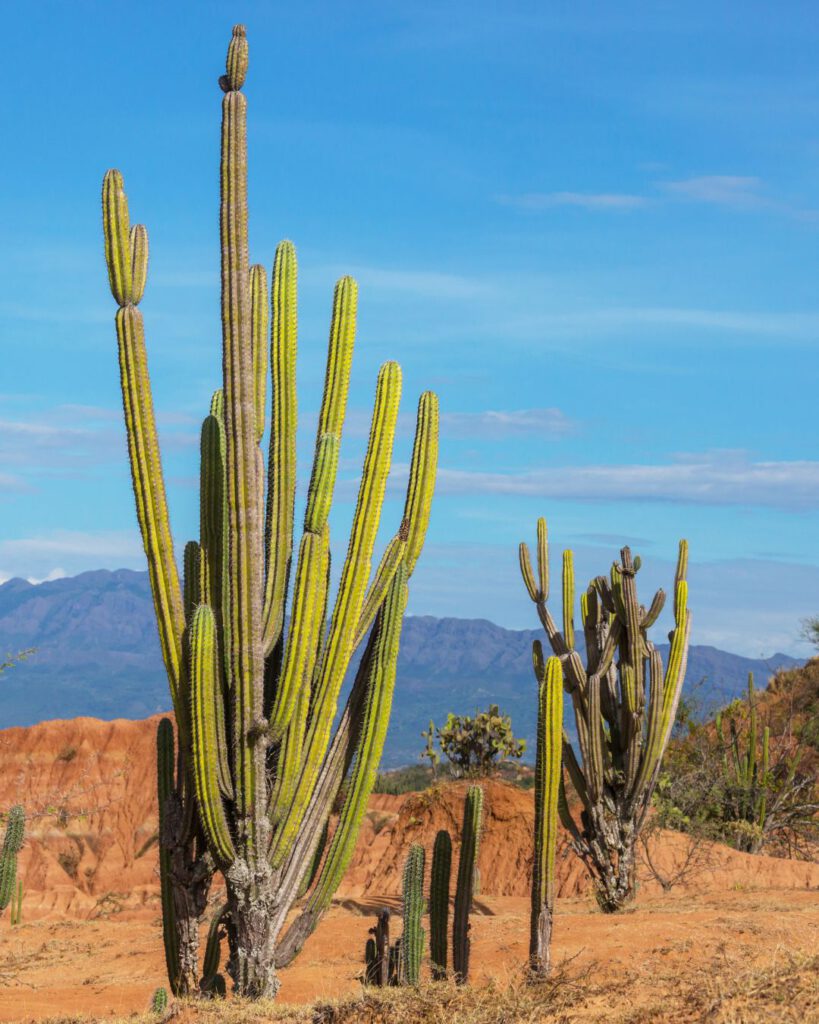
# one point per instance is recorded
(474, 746)
(810, 630)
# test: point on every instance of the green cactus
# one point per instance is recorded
(476, 746)
(439, 903)
(412, 941)
(746, 776)
(12, 844)
(159, 1001)
(548, 784)
(259, 766)
(381, 960)
(624, 706)
(467, 870)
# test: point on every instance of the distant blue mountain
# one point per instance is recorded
(97, 654)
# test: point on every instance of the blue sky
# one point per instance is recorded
(592, 228)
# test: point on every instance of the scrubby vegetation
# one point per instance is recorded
(474, 746)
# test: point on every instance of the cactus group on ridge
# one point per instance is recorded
(257, 768)
(746, 776)
(624, 705)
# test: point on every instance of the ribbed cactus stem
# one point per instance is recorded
(467, 867)
(412, 941)
(12, 844)
(165, 761)
(439, 904)
(548, 781)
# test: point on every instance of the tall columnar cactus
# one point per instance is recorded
(467, 868)
(255, 703)
(412, 941)
(439, 903)
(624, 705)
(746, 776)
(548, 779)
(12, 844)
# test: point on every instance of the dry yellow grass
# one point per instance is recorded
(784, 990)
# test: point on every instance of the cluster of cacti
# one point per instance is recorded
(12, 844)
(400, 964)
(548, 778)
(258, 769)
(624, 705)
(474, 746)
(746, 776)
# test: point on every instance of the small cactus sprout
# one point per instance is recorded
(467, 867)
(159, 1001)
(439, 903)
(412, 945)
(12, 844)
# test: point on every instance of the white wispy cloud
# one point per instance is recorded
(720, 189)
(710, 478)
(497, 423)
(52, 554)
(430, 283)
(584, 200)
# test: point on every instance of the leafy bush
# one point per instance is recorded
(474, 746)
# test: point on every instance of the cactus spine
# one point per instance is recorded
(412, 941)
(12, 844)
(548, 783)
(439, 903)
(467, 867)
(624, 706)
(259, 767)
(746, 776)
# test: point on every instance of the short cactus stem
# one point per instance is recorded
(548, 780)
(467, 869)
(412, 941)
(439, 904)
(12, 844)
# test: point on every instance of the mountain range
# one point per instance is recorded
(97, 654)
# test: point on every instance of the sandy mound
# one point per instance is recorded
(89, 790)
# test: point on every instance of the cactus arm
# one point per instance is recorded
(303, 635)
(143, 446)
(349, 601)
(439, 903)
(653, 613)
(467, 862)
(525, 561)
(281, 491)
(204, 736)
(373, 731)
(568, 598)
(12, 844)
(363, 723)
(423, 471)
(576, 775)
(258, 335)
(548, 784)
(762, 807)
(245, 658)
(750, 765)
(394, 556)
(165, 784)
(412, 942)
(543, 558)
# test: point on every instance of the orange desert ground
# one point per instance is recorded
(90, 942)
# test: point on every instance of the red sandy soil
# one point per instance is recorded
(91, 943)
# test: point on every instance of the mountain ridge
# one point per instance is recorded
(97, 655)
